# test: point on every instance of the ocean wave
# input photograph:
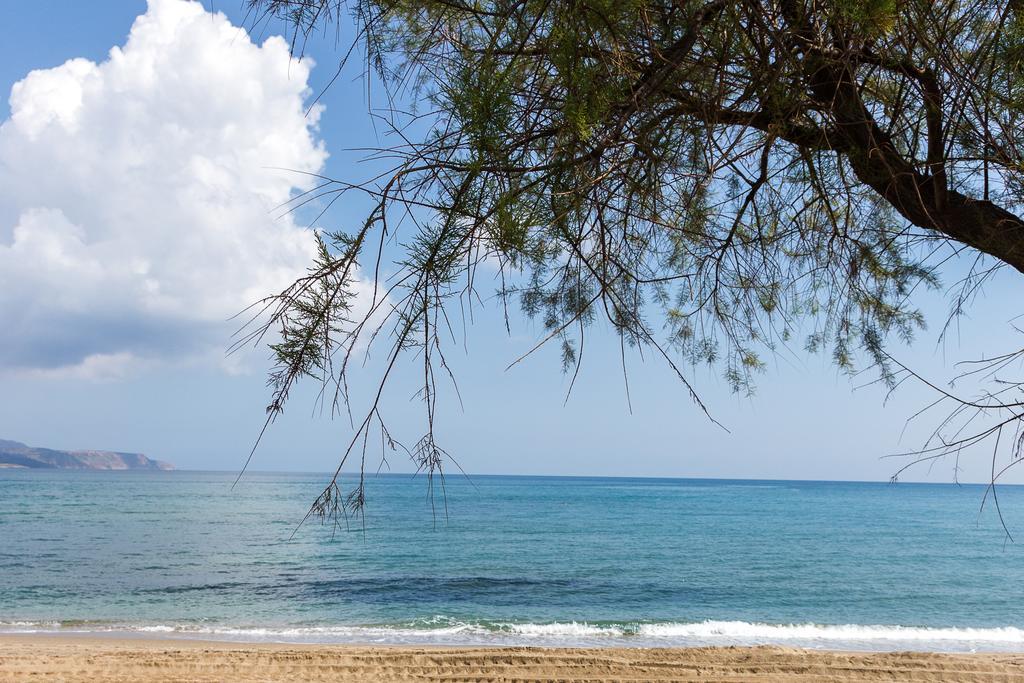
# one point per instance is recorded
(844, 632)
(762, 632)
(567, 629)
(447, 631)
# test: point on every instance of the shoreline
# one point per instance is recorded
(71, 658)
(570, 634)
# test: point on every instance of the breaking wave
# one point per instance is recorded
(447, 631)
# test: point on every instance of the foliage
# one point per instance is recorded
(710, 177)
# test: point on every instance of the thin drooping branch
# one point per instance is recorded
(710, 178)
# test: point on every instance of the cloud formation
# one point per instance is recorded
(136, 194)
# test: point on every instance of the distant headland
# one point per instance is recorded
(17, 454)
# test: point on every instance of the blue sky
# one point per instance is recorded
(117, 213)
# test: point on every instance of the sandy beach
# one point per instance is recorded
(70, 659)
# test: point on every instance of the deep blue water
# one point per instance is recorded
(544, 560)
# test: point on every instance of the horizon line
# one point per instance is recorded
(470, 475)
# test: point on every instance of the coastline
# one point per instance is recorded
(526, 563)
(74, 658)
(445, 632)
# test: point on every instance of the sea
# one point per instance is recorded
(509, 560)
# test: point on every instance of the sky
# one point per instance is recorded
(140, 156)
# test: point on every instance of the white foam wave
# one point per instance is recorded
(443, 630)
(845, 632)
(570, 629)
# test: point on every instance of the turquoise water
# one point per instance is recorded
(538, 560)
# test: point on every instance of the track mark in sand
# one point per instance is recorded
(77, 660)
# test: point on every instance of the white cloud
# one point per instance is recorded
(136, 194)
